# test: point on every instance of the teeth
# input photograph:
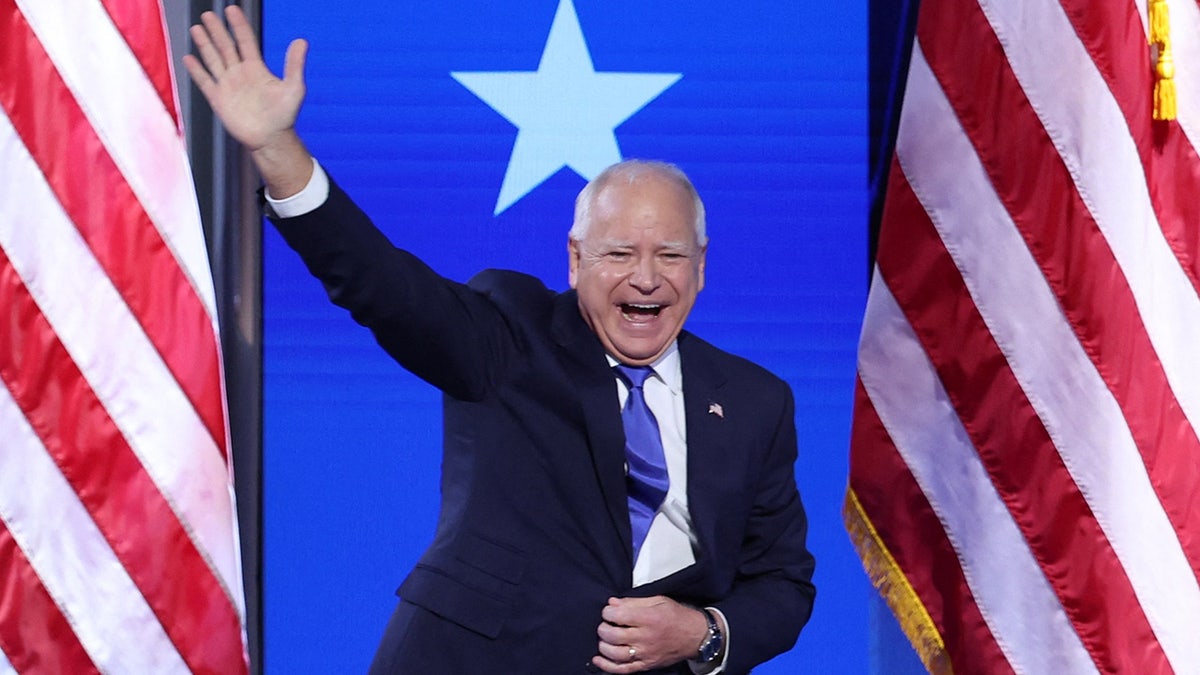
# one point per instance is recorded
(640, 311)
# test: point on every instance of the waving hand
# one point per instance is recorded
(256, 107)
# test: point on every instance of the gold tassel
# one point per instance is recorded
(1160, 21)
(1164, 86)
(1164, 66)
(893, 585)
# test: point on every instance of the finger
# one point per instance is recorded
(621, 658)
(614, 653)
(610, 666)
(614, 635)
(618, 613)
(293, 62)
(204, 82)
(205, 48)
(218, 34)
(243, 34)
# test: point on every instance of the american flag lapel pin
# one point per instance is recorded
(716, 409)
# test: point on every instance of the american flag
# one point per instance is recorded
(1025, 465)
(118, 547)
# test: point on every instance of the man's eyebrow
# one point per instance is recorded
(684, 245)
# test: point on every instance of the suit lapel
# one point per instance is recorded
(707, 437)
(582, 356)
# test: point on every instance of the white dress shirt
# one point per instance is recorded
(670, 542)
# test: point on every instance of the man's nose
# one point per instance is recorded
(646, 276)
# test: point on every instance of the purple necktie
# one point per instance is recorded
(646, 479)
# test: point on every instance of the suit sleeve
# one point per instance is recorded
(446, 333)
(772, 596)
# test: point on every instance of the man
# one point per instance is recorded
(617, 494)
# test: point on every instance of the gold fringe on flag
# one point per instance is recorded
(899, 594)
(1164, 64)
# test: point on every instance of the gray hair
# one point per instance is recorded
(630, 171)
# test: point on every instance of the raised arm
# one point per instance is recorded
(256, 107)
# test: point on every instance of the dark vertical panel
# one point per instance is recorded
(225, 187)
(892, 24)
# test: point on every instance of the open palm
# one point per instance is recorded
(255, 106)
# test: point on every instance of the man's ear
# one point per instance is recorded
(572, 260)
(700, 268)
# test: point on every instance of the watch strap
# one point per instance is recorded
(711, 646)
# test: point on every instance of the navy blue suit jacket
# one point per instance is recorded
(533, 535)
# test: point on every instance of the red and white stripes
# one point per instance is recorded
(118, 544)
(1025, 466)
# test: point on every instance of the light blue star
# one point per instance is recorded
(565, 112)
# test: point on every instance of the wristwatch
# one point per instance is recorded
(711, 646)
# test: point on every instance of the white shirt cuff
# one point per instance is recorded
(313, 195)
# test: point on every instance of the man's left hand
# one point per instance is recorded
(639, 634)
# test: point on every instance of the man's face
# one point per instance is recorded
(638, 268)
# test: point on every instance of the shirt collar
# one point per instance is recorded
(666, 368)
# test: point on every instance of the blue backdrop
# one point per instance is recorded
(768, 117)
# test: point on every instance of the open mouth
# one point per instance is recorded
(640, 312)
